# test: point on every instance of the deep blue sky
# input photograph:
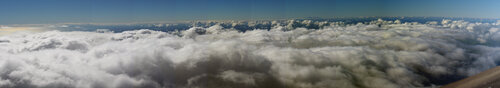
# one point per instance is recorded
(125, 11)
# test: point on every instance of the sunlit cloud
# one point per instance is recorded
(382, 54)
(9, 30)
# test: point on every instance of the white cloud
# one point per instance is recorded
(390, 56)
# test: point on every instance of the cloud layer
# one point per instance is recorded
(377, 55)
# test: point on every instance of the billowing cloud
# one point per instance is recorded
(378, 55)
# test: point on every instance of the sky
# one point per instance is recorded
(127, 11)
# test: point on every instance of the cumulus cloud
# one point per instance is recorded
(378, 55)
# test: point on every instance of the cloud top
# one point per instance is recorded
(381, 55)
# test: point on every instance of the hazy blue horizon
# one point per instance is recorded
(130, 11)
